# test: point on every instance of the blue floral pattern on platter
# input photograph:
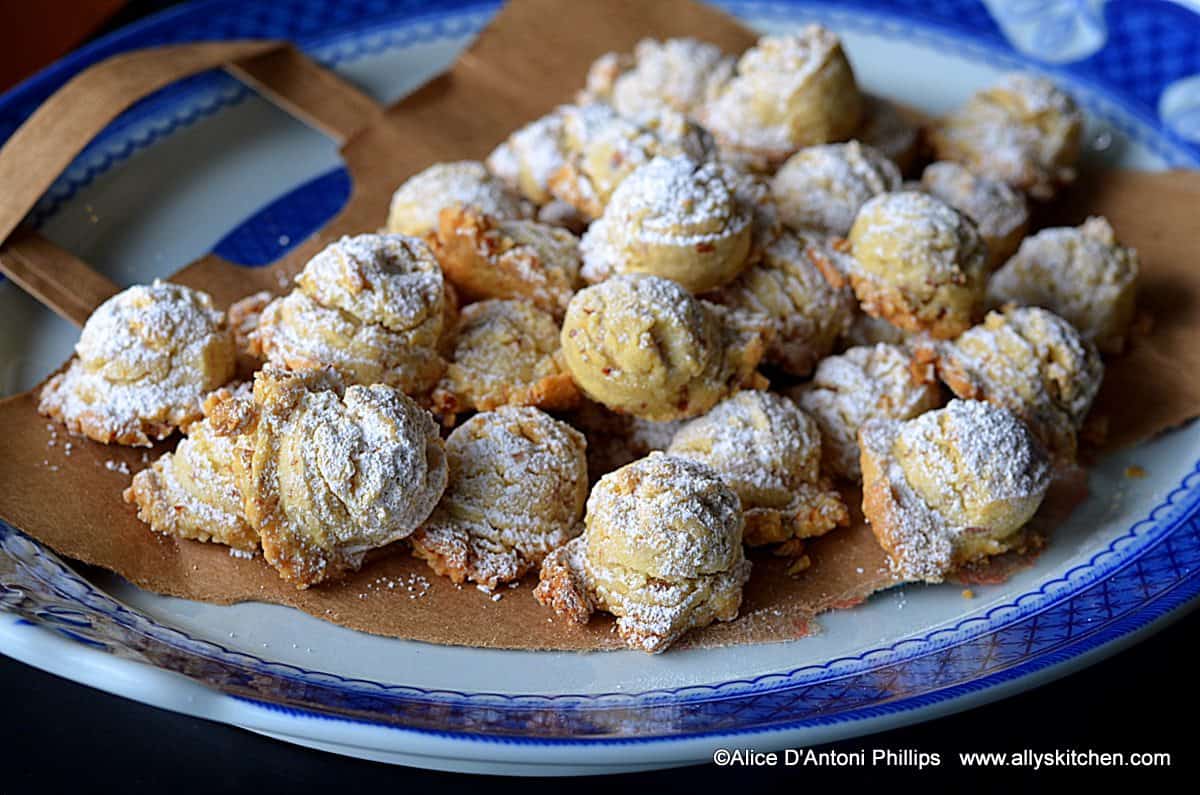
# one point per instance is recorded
(1141, 57)
(1054, 31)
(1140, 577)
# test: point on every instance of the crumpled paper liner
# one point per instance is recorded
(534, 56)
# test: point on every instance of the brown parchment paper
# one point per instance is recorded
(533, 56)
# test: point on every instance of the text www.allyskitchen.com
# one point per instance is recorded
(917, 759)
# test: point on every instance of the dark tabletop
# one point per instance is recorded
(57, 736)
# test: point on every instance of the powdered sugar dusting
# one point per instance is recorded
(145, 360)
(758, 441)
(390, 280)
(861, 384)
(921, 542)
(1036, 93)
(676, 73)
(911, 215)
(415, 205)
(414, 586)
(991, 448)
(662, 553)
(337, 474)
(603, 148)
(531, 156)
(918, 262)
(1032, 362)
(773, 72)
(517, 489)
(372, 306)
(821, 188)
(665, 517)
(941, 468)
(670, 201)
(1080, 273)
(378, 453)
(682, 202)
(996, 208)
(1024, 131)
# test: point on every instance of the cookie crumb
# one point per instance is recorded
(799, 565)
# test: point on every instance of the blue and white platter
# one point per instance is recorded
(206, 165)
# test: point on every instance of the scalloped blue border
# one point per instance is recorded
(316, 694)
(494, 716)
